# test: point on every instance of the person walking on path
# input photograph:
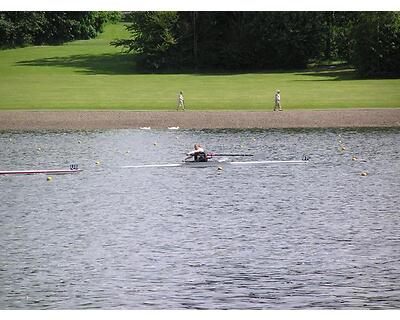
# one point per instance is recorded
(278, 101)
(181, 102)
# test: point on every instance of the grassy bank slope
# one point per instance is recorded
(90, 74)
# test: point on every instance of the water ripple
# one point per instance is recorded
(253, 237)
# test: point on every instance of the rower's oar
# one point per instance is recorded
(229, 155)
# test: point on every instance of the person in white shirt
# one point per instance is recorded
(198, 154)
(181, 102)
(278, 101)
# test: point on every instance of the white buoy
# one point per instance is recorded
(97, 162)
(173, 128)
(364, 173)
(145, 128)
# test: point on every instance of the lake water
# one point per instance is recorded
(316, 235)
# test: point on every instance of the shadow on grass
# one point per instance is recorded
(125, 64)
(112, 64)
(331, 73)
(340, 73)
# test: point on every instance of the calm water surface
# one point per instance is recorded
(318, 235)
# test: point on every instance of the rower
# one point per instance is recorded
(198, 154)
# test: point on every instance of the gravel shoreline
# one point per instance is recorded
(32, 120)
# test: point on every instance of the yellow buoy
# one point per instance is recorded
(49, 178)
(354, 158)
(97, 162)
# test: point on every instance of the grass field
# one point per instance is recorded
(91, 74)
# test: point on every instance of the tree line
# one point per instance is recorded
(23, 28)
(263, 40)
(225, 41)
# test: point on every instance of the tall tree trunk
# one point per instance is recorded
(194, 21)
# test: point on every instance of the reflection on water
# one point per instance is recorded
(247, 237)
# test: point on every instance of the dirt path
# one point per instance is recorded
(199, 119)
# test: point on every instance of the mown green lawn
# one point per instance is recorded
(91, 74)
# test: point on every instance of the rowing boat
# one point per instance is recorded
(195, 164)
(50, 171)
(72, 169)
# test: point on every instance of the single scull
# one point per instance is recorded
(209, 163)
(72, 169)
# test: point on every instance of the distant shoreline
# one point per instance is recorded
(347, 118)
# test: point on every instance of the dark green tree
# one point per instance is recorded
(224, 40)
(153, 37)
(35, 28)
(19, 28)
(377, 44)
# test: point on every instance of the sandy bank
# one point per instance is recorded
(199, 119)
